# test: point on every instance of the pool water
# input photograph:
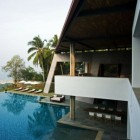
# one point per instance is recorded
(23, 118)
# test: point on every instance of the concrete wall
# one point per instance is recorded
(85, 100)
(134, 106)
(94, 60)
(97, 58)
(104, 88)
(134, 117)
(93, 87)
(136, 62)
(136, 49)
(119, 57)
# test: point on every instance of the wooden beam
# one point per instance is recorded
(78, 42)
(72, 73)
(107, 10)
(72, 60)
(113, 37)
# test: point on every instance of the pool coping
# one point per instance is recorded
(77, 124)
(46, 99)
(25, 93)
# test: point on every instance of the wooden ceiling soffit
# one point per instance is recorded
(64, 48)
(106, 10)
(102, 38)
(67, 39)
(76, 13)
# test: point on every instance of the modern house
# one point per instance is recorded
(105, 36)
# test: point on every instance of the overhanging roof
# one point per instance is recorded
(98, 24)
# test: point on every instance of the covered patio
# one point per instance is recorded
(98, 33)
(108, 130)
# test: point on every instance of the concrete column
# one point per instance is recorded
(72, 73)
(72, 107)
(72, 60)
(128, 123)
(86, 67)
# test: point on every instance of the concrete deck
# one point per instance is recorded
(47, 100)
(106, 130)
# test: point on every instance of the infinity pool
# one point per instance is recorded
(23, 118)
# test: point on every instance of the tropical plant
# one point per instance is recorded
(42, 55)
(14, 67)
(30, 74)
(52, 43)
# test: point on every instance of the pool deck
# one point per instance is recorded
(30, 94)
(47, 100)
(106, 130)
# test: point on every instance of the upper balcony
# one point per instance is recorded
(94, 87)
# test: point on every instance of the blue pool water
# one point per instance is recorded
(23, 118)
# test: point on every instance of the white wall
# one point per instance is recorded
(136, 62)
(134, 116)
(136, 50)
(105, 88)
(85, 100)
(134, 106)
(93, 87)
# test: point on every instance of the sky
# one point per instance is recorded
(22, 20)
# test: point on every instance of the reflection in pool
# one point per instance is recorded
(23, 118)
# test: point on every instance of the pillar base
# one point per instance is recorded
(72, 107)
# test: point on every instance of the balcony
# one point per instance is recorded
(93, 87)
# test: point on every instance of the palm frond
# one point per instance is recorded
(47, 53)
(29, 58)
(53, 42)
(32, 49)
(35, 60)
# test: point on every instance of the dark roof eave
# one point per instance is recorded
(68, 20)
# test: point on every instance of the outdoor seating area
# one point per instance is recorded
(39, 91)
(20, 88)
(29, 90)
(105, 117)
(111, 127)
(57, 98)
(26, 89)
(32, 90)
(106, 114)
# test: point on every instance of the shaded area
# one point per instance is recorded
(119, 131)
(95, 25)
(73, 133)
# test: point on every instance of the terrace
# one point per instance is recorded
(100, 35)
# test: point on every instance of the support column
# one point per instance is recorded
(72, 73)
(86, 67)
(72, 107)
(72, 60)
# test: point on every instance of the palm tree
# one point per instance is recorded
(42, 55)
(53, 42)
